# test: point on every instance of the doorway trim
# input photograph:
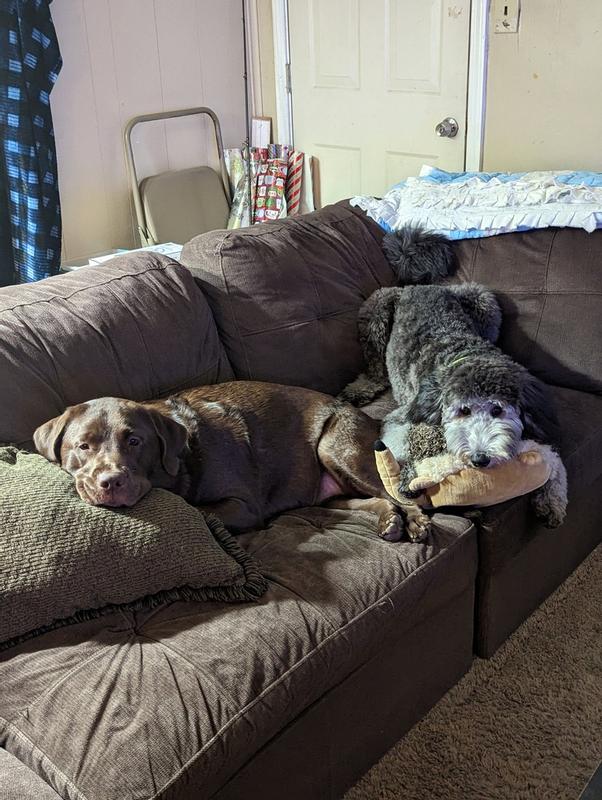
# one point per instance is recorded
(476, 84)
(476, 96)
(282, 71)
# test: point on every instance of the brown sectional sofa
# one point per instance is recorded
(549, 283)
(297, 695)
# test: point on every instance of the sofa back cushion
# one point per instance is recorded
(285, 294)
(549, 284)
(137, 327)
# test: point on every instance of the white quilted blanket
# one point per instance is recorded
(468, 205)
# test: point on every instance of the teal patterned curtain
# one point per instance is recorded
(30, 214)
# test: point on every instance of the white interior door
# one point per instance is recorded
(371, 79)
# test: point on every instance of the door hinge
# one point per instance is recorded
(287, 77)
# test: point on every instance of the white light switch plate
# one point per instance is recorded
(506, 14)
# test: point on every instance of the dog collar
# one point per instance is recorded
(458, 360)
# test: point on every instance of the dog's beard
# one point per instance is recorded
(496, 437)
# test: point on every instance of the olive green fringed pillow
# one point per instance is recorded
(63, 561)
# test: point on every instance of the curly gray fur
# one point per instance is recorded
(422, 442)
(418, 256)
(435, 347)
(410, 443)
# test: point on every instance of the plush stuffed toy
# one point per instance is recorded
(444, 480)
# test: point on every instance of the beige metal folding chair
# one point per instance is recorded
(174, 206)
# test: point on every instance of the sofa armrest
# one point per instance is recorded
(18, 782)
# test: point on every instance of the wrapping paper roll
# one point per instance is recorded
(307, 186)
(294, 182)
(276, 183)
(270, 201)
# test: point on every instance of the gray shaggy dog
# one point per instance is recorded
(434, 345)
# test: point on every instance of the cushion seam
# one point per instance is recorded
(206, 676)
(583, 444)
(80, 665)
(473, 261)
(158, 267)
(277, 225)
(150, 366)
(182, 386)
(294, 324)
(18, 733)
(42, 344)
(541, 313)
(553, 292)
(367, 262)
(545, 290)
(548, 259)
(218, 254)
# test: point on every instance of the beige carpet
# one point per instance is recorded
(526, 725)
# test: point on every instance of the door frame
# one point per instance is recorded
(476, 100)
(476, 85)
(282, 71)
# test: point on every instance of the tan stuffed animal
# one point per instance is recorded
(446, 481)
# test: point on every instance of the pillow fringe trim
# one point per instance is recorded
(252, 586)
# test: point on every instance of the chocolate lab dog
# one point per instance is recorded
(242, 450)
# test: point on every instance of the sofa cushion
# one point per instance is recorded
(170, 703)
(136, 327)
(549, 283)
(507, 528)
(285, 294)
(521, 562)
(580, 415)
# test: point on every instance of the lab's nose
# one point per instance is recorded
(480, 459)
(111, 480)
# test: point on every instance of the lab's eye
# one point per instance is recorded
(497, 411)
(84, 446)
(464, 411)
(133, 441)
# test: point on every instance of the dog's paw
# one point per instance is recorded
(552, 518)
(530, 457)
(358, 393)
(418, 525)
(550, 514)
(356, 399)
(391, 526)
(347, 395)
(361, 391)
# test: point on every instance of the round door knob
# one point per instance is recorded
(447, 127)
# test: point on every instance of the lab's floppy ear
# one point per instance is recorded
(172, 438)
(49, 436)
